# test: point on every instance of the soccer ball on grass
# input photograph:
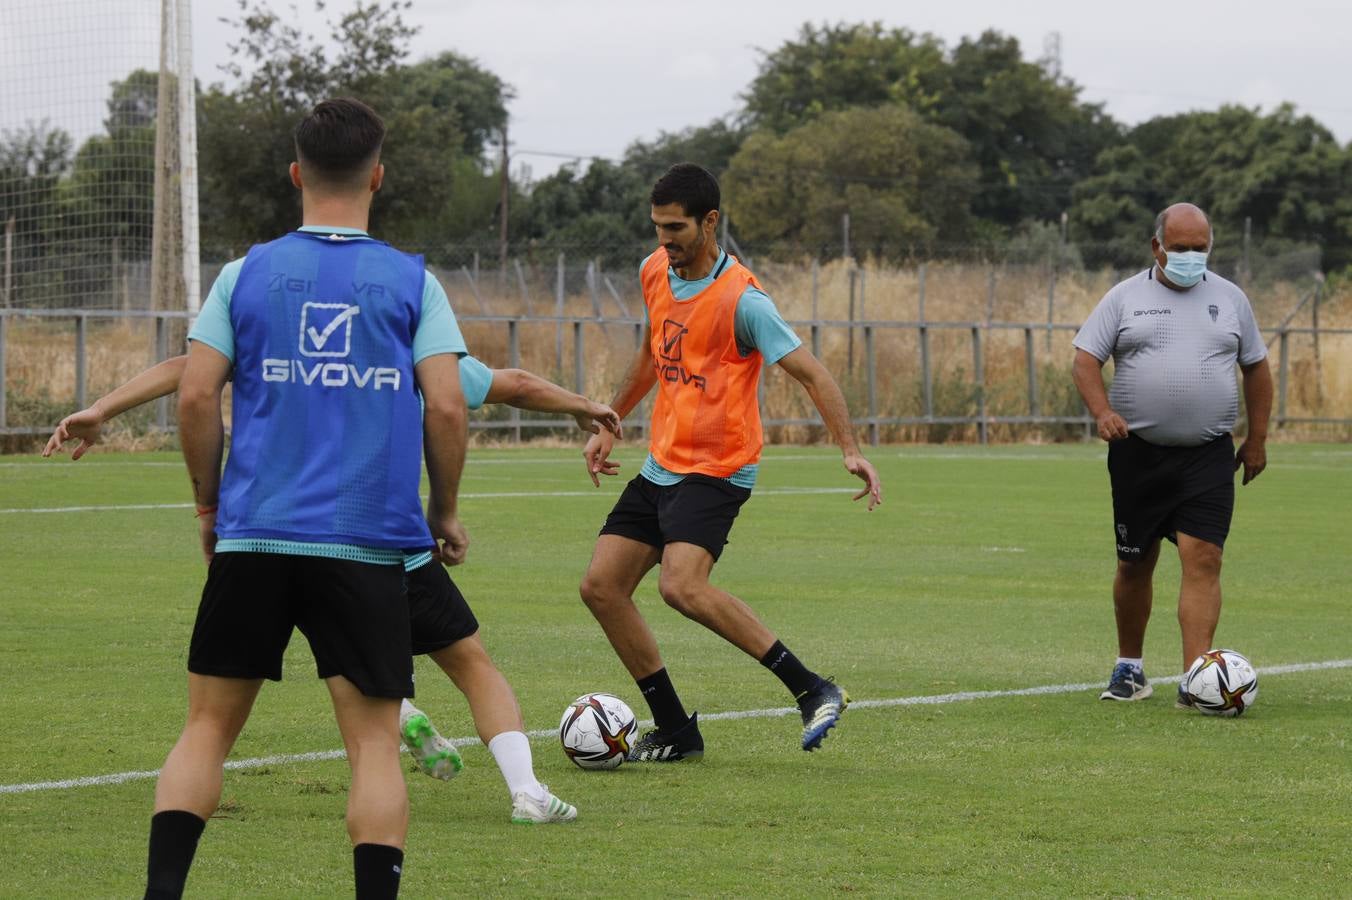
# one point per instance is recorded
(596, 731)
(1221, 683)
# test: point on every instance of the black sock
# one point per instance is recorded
(667, 710)
(796, 677)
(377, 867)
(173, 841)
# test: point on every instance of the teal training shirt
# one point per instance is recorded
(757, 325)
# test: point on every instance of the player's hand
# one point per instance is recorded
(1111, 426)
(451, 537)
(1252, 455)
(599, 416)
(206, 524)
(85, 426)
(597, 456)
(861, 468)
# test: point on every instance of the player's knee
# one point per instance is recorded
(1136, 569)
(1203, 560)
(596, 593)
(680, 593)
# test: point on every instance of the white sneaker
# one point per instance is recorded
(527, 810)
(435, 756)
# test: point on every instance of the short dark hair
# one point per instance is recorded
(692, 186)
(339, 140)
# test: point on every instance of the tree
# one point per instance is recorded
(1026, 127)
(905, 183)
(600, 211)
(440, 114)
(1113, 209)
(836, 67)
(711, 146)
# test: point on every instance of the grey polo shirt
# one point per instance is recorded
(1174, 355)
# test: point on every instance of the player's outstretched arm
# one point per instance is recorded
(639, 379)
(526, 390)
(202, 433)
(445, 433)
(86, 426)
(830, 403)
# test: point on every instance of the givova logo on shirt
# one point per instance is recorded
(326, 332)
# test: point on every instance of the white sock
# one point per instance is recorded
(511, 749)
(1137, 662)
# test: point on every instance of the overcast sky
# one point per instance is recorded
(591, 77)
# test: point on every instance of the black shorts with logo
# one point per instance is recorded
(438, 613)
(355, 616)
(1160, 491)
(699, 509)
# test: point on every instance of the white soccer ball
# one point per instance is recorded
(596, 731)
(1221, 683)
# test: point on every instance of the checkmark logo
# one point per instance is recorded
(319, 322)
(672, 332)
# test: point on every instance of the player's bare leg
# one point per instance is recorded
(189, 786)
(1133, 596)
(217, 710)
(377, 804)
(498, 721)
(685, 587)
(1199, 595)
(617, 566)
(491, 700)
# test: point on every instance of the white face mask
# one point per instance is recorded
(1185, 267)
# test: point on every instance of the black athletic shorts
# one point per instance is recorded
(1160, 491)
(700, 510)
(437, 611)
(355, 616)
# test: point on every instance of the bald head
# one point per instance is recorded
(1183, 226)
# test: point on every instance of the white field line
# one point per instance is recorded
(491, 495)
(540, 734)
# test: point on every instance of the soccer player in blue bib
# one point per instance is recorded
(442, 624)
(331, 338)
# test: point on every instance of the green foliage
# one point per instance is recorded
(835, 67)
(882, 165)
(440, 114)
(1026, 127)
(711, 146)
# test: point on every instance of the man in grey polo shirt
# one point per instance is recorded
(1175, 333)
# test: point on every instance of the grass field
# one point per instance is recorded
(984, 571)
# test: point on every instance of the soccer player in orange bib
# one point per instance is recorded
(710, 330)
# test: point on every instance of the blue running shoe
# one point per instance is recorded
(1127, 683)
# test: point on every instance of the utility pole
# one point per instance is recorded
(502, 206)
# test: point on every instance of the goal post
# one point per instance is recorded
(98, 158)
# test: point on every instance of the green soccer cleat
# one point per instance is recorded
(436, 757)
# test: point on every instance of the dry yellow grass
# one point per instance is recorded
(41, 358)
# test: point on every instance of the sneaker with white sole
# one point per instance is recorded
(529, 810)
(436, 757)
(821, 708)
(1184, 700)
(1127, 683)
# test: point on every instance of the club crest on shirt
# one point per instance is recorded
(1214, 310)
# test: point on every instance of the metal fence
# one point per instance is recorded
(583, 332)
